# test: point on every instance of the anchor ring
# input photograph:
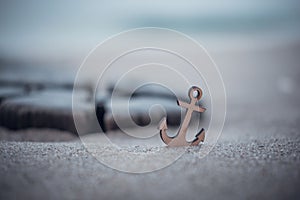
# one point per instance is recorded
(195, 93)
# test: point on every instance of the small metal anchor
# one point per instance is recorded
(195, 95)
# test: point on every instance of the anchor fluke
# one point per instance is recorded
(199, 138)
(163, 124)
(163, 131)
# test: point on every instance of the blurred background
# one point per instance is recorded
(255, 44)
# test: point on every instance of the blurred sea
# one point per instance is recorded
(254, 43)
(63, 32)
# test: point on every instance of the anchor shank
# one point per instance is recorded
(185, 124)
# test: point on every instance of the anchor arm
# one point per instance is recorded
(175, 141)
(163, 131)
